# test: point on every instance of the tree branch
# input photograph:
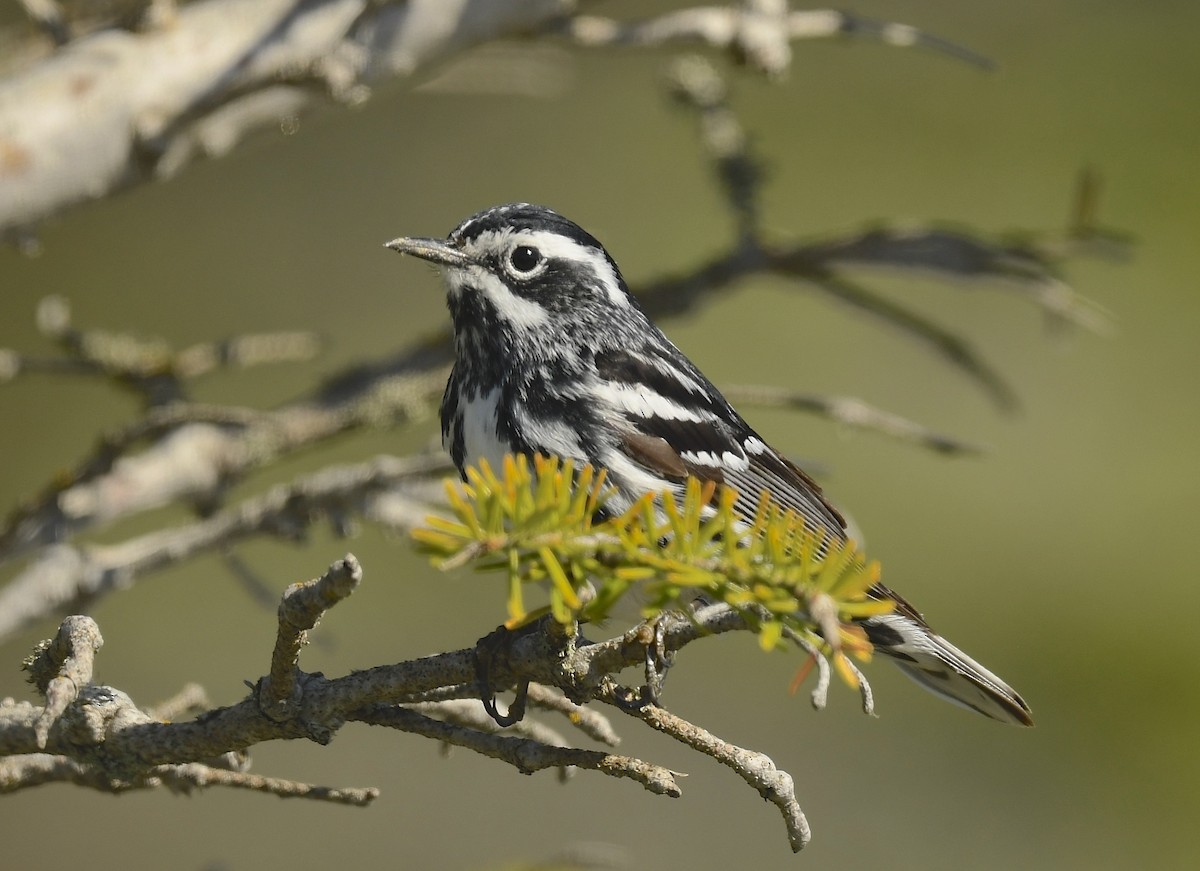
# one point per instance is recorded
(755, 768)
(524, 754)
(101, 739)
(65, 576)
(117, 108)
(758, 32)
(851, 412)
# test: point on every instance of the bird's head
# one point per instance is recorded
(523, 280)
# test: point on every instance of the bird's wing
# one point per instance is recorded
(676, 423)
(712, 451)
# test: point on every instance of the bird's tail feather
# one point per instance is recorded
(944, 670)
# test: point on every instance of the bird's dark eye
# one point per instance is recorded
(524, 258)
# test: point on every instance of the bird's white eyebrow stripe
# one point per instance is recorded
(551, 244)
(558, 247)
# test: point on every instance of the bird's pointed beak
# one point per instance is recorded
(434, 250)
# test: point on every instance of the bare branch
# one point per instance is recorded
(951, 255)
(756, 769)
(193, 462)
(36, 769)
(61, 667)
(190, 700)
(302, 606)
(960, 256)
(144, 363)
(461, 704)
(589, 721)
(952, 347)
(851, 412)
(64, 576)
(820, 693)
(194, 775)
(211, 71)
(525, 754)
(471, 714)
(759, 32)
(117, 108)
(104, 741)
(696, 85)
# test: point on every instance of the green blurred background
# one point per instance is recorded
(1061, 558)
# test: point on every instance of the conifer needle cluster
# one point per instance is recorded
(542, 523)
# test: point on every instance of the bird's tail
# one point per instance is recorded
(943, 669)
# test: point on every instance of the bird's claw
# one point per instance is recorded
(658, 659)
(491, 654)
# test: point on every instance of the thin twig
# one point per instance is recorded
(588, 720)
(820, 693)
(953, 348)
(302, 606)
(850, 411)
(189, 776)
(757, 33)
(189, 700)
(755, 768)
(524, 754)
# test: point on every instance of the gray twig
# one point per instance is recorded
(190, 776)
(953, 255)
(849, 411)
(61, 667)
(820, 693)
(302, 606)
(525, 754)
(755, 768)
(190, 700)
(588, 720)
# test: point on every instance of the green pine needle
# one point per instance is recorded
(540, 524)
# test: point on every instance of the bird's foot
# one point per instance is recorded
(491, 658)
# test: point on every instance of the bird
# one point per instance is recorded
(554, 355)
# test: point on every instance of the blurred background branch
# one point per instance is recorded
(126, 99)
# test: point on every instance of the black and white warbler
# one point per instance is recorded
(553, 355)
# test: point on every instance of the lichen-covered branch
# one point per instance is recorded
(301, 608)
(101, 739)
(61, 667)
